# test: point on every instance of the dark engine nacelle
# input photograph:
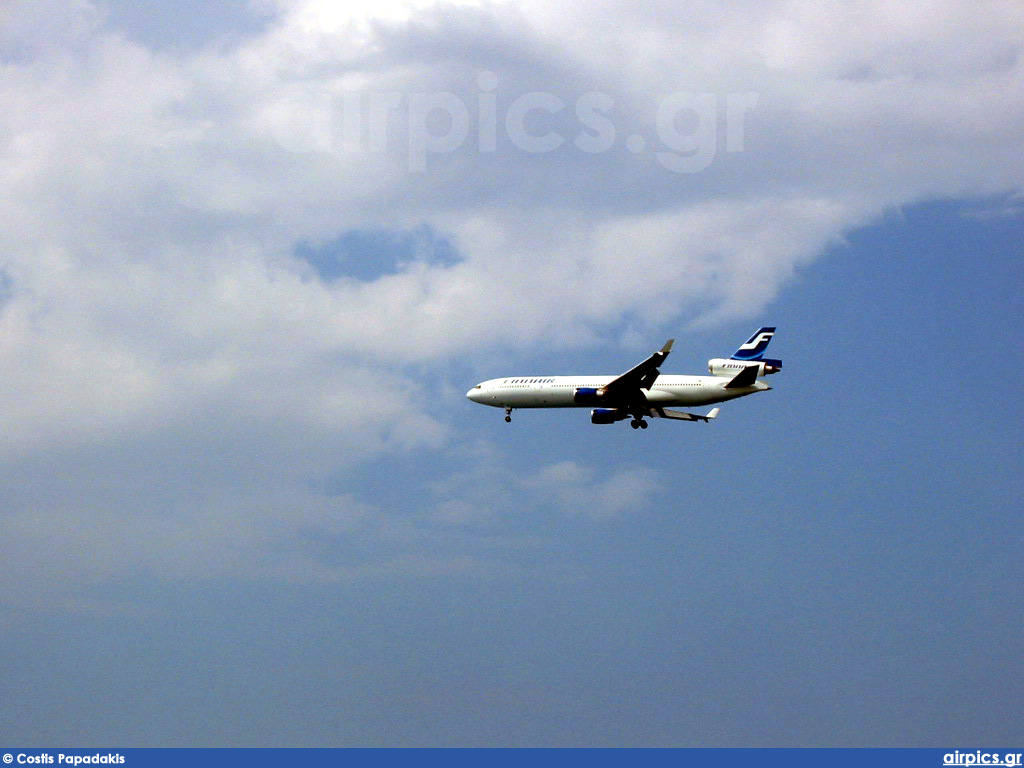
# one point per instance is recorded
(606, 415)
(587, 396)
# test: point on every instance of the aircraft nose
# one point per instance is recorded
(475, 393)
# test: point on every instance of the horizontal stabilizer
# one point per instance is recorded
(666, 413)
(744, 378)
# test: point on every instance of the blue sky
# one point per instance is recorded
(244, 502)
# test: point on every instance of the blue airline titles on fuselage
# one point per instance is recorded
(641, 392)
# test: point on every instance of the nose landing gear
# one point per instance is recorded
(508, 414)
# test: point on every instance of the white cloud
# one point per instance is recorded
(582, 492)
(28, 27)
(152, 205)
(490, 491)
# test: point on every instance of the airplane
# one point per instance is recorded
(642, 391)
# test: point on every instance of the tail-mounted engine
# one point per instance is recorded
(721, 367)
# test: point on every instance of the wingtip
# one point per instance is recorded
(668, 346)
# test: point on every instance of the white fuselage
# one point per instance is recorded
(558, 391)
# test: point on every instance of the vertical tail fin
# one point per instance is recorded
(754, 347)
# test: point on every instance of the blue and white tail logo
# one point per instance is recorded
(755, 346)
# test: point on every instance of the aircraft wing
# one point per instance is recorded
(641, 376)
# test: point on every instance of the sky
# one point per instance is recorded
(252, 255)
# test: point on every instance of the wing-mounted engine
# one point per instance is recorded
(607, 415)
(629, 388)
(722, 367)
(588, 395)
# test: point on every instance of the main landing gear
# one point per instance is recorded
(638, 424)
(508, 414)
